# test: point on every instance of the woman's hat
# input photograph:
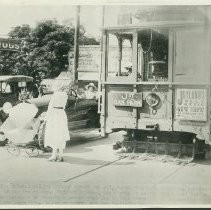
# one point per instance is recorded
(91, 85)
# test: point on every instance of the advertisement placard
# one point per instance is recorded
(191, 104)
(127, 99)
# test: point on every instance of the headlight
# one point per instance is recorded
(152, 99)
(6, 107)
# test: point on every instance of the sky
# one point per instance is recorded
(14, 15)
(18, 12)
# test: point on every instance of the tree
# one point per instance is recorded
(44, 50)
(52, 43)
(86, 40)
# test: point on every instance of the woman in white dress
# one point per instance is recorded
(56, 130)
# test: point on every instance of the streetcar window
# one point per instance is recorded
(190, 64)
(153, 55)
(119, 55)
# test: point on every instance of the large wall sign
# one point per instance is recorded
(191, 104)
(10, 44)
(90, 58)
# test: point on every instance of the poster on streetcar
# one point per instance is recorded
(191, 104)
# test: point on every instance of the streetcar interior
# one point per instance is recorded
(153, 54)
(150, 47)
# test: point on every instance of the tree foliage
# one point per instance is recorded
(44, 51)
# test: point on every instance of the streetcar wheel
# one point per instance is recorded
(13, 149)
(32, 151)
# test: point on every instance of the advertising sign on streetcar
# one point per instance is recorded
(127, 99)
(191, 104)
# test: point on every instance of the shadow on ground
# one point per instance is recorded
(206, 161)
(84, 161)
(83, 144)
(203, 162)
(83, 140)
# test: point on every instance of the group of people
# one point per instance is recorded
(55, 122)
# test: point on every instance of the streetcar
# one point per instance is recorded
(163, 100)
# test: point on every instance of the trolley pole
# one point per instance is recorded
(76, 46)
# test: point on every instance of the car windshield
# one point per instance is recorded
(5, 88)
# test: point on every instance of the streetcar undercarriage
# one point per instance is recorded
(178, 144)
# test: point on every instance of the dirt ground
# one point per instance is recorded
(94, 174)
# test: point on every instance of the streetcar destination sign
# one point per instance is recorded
(10, 44)
(127, 99)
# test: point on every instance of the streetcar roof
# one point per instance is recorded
(163, 24)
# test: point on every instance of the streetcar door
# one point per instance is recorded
(120, 100)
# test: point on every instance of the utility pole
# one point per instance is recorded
(101, 40)
(76, 46)
(101, 88)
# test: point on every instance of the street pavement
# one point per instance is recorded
(94, 174)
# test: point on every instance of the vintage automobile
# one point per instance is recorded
(82, 113)
(11, 87)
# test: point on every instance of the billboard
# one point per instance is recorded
(90, 60)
